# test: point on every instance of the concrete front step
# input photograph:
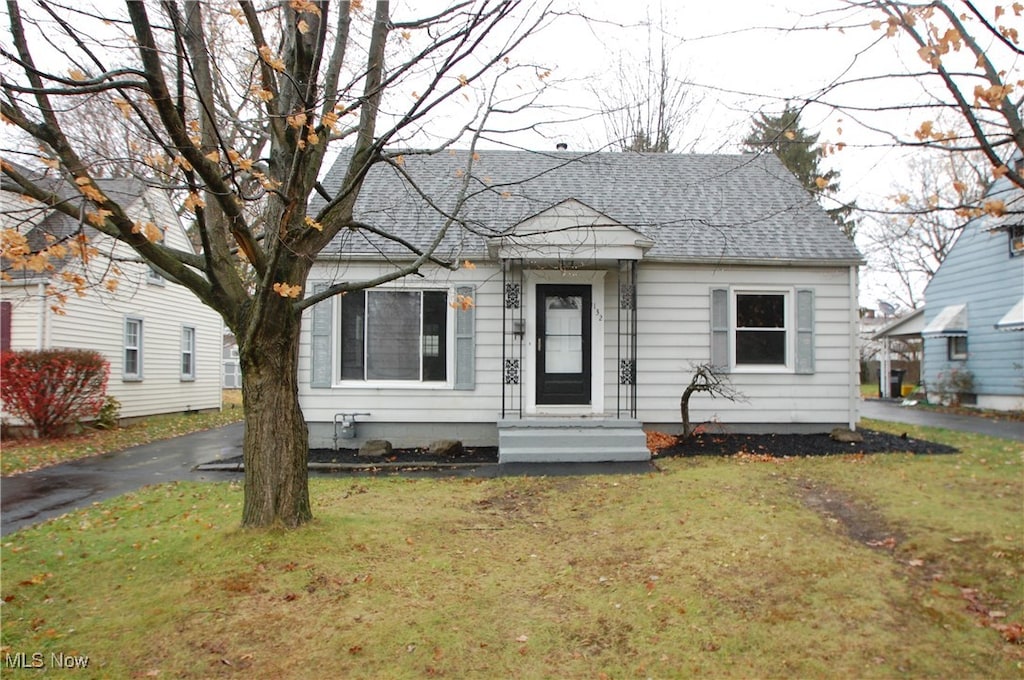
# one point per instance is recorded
(571, 440)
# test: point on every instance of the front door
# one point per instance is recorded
(563, 344)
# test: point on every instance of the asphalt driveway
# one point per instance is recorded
(892, 411)
(32, 497)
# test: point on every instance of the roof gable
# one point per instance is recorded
(569, 230)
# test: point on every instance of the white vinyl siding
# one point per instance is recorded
(675, 331)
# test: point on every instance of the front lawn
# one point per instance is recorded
(874, 566)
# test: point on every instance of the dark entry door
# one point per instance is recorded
(563, 344)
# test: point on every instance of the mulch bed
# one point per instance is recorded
(781, 445)
(469, 455)
(706, 444)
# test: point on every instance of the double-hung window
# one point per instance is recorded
(132, 369)
(761, 329)
(395, 335)
(188, 353)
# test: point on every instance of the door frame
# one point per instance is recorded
(595, 278)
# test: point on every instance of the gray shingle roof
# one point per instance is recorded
(694, 207)
(57, 226)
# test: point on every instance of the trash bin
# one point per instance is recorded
(896, 382)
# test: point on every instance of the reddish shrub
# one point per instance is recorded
(54, 387)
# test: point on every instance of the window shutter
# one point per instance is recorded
(805, 331)
(720, 329)
(465, 341)
(320, 341)
(5, 326)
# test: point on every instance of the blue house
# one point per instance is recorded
(974, 318)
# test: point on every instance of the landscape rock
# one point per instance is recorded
(375, 448)
(841, 434)
(446, 447)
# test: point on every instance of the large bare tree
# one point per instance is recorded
(935, 74)
(234, 107)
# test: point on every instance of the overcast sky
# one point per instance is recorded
(746, 56)
(742, 57)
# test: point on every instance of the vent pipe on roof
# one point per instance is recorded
(561, 146)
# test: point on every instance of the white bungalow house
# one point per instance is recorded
(589, 287)
(163, 345)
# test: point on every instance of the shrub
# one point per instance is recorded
(53, 388)
(953, 385)
(109, 415)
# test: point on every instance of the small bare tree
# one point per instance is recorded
(909, 235)
(706, 378)
(648, 103)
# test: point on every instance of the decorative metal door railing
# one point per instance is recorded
(513, 328)
(625, 395)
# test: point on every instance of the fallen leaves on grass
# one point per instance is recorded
(756, 457)
(991, 618)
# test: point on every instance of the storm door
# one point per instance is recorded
(563, 344)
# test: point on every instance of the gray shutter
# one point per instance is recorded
(465, 342)
(805, 331)
(320, 341)
(720, 329)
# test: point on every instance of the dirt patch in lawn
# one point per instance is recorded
(857, 519)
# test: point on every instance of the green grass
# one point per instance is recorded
(22, 455)
(716, 567)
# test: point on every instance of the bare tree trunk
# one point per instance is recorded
(684, 410)
(276, 445)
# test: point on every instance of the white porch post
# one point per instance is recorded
(885, 369)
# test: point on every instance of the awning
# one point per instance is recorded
(950, 322)
(1013, 320)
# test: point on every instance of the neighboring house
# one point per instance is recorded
(974, 316)
(163, 345)
(589, 286)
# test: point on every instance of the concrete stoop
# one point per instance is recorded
(571, 440)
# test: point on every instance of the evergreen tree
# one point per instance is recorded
(798, 150)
